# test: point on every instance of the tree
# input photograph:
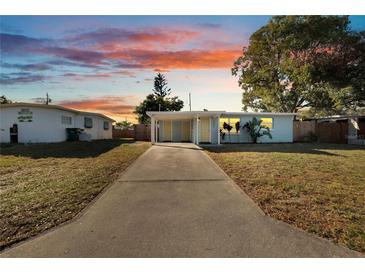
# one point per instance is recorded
(256, 130)
(295, 62)
(4, 100)
(124, 124)
(158, 101)
(160, 86)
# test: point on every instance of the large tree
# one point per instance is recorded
(303, 61)
(4, 100)
(159, 100)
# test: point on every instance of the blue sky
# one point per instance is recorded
(107, 63)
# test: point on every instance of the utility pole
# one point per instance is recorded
(48, 100)
(190, 101)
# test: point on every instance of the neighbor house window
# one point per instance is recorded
(106, 125)
(88, 122)
(66, 120)
(267, 122)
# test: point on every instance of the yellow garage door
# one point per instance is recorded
(185, 128)
(167, 130)
(204, 133)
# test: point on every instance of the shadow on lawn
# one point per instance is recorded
(307, 148)
(64, 149)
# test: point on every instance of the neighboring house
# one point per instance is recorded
(41, 123)
(207, 126)
(342, 129)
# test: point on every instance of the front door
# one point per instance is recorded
(14, 134)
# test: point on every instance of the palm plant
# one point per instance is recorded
(228, 127)
(237, 125)
(256, 130)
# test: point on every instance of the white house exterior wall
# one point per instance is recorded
(46, 125)
(97, 131)
(282, 131)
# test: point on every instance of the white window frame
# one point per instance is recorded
(64, 118)
(92, 122)
(106, 123)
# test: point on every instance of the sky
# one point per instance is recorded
(107, 64)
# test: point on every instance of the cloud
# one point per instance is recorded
(107, 39)
(209, 25)
(18, 44)
(185, 59)
(60, 62)
(27, 67)
(78, 55)
(117, 107)
(19, 78)
(161, 70)
(124, 73)
(215, 57)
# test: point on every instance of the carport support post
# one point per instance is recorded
(153, 124)
(156, 131)
(197, 130)
(219, 135)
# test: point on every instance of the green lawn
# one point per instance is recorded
(318, 188)
(44, 185)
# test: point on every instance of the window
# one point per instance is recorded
(106, 125)
(88, 122)
(230, 121)
(267, 122)
(66, 120)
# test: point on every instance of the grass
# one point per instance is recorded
(45, 185)
(318, 188)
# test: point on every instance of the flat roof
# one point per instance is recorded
(194, 114)
(55, 107)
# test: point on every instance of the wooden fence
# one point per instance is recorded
(304, 130)
(139, 132)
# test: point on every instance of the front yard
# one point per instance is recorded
(318, 188)
(44, 185)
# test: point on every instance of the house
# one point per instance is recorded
(348, 129)
(41, 123)
(338, 129)
(207, 126)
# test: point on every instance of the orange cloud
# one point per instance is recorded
(185, 59)
(116, 107)
(111, 39)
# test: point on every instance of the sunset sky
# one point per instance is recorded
(107, 63)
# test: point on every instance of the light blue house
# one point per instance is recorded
(207, 126)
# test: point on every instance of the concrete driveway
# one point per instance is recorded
(174, 201)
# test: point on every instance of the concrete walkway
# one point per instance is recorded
(174, 201)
